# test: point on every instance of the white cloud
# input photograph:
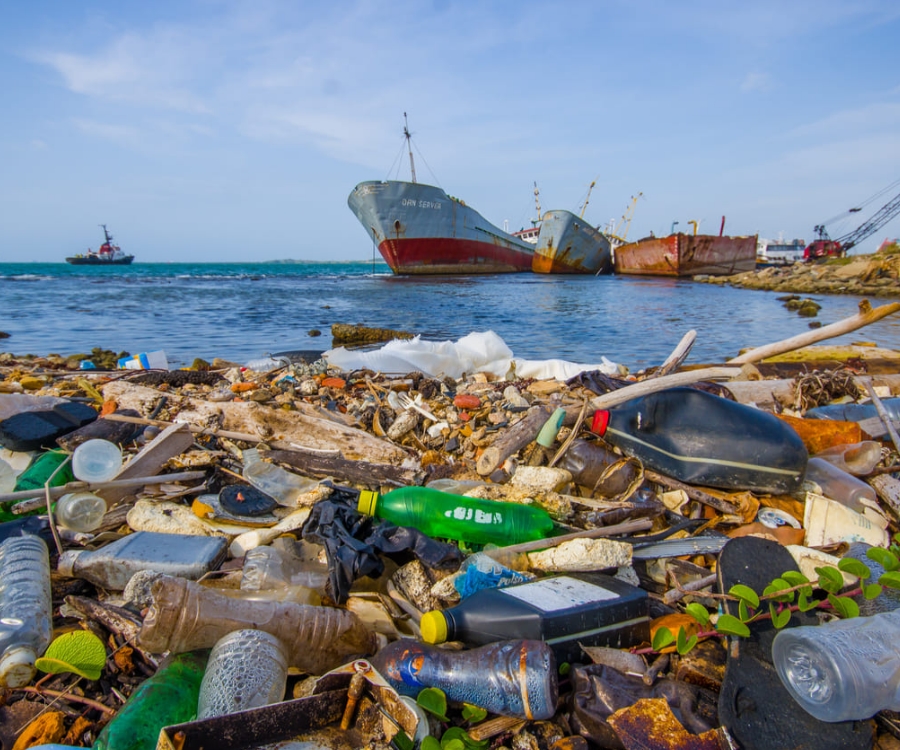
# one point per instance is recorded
(122, 134)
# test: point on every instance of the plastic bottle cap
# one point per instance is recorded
(17, 667)
(367, 502)
(433, 627)
(96, 461)
(66, 564)
(600, 421)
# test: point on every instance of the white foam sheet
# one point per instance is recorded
(476, 352)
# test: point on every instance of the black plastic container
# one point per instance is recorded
(699, 438)
(588, 608)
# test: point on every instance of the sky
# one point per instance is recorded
(217, 130)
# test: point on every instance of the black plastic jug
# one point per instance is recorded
(698, 438)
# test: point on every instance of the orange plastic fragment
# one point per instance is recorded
(783, 534)
(109, 406)
(242, 387)
(466, 401)
(819, 434)
(649, 724)
(464, 416)
(334, 382)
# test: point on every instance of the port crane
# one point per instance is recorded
(617, 232)
(824, 246)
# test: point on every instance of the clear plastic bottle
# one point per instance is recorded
(859, 459)
(167, 697)
(854, 412)
(464, 519)
(7, 477)
(282, 485)
(26, 626)
(837, 484)
(246, 669)
(266, 567)
(186, 616)
(699, 438)
(112, 565)
(511, 678)
(96, 460)
(80, 511)
(842, 670)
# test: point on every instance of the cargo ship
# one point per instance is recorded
(419, 229)
(686, 255)
(107, 255)
(569, 244)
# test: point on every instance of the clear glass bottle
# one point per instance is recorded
(842, 670)
(185, 615)
(246, 669)
(282, 485)
(511, 678)
(26, 622)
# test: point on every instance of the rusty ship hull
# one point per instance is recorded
(686, 255)
(420, 230)
(568, 244)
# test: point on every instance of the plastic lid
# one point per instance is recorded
(66, 564)
(17, 667)
(600, 421)
(367, 502)
(96, 460)
(433, 627)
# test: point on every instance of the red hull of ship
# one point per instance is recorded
(687, 255)
(437, 255)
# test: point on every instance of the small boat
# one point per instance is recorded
(419, 229)
(108, 254)
(686, 255)
(569, 244)
(776, 253)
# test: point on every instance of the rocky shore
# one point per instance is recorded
(876, 275)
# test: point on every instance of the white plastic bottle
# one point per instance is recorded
(280, 484)
(96, 461)
(842, 670)
(26, 626)
(246, 669)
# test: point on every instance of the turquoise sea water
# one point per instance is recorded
(245, 311)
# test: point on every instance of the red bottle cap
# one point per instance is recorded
(600, 421)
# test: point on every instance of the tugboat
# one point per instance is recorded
(108, 254)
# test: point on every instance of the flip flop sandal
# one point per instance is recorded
(754, 706)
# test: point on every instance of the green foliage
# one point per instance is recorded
(779, 619)
(698, 612)
(430, 743)
(796, 578)
(830, 579)
(872, 590)
(402, 741)
(745, 594)
(473, 714)
(662, 639)
(779, 584)
(854, 567)
(891, 579)
(885, 558)
(844, 606)
(683, 644)
(456, 738)
(435, 701)
(731, 625)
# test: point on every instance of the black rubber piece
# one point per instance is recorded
(244, 500)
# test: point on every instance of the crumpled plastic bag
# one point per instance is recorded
(354, 542)
(476, 352)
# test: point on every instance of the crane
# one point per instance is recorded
(824, 246)
(618, 232)
(587, 198)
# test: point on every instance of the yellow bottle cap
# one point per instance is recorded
(367, 502)
(433, 627)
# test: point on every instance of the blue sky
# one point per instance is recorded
(210, 130)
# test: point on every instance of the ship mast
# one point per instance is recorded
(591, 187)
(412, 164)
(537, 205)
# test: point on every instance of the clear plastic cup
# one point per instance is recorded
(96, 461)
(80, 511)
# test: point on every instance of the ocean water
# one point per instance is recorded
(245, 311)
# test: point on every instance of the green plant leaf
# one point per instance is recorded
(662, 638)
(684, 644)
(743, 612)
(830, 579)
(473, 714)
(779, 619)
(79, 651)
(429, 743)
(890, 579)
(778, 584)
(730, 625)
(745, 594)
(435, 701)
(454, 744)
(564, 669)
(459, 735)
(804, 604)
(403, 741)
(796, 578)
(854, 567)
(844, 606)
(698, 612)
(885, 558)
(872, 591)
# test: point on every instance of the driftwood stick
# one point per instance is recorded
(195, 429)
(865, 316)
(320, 466)
(678, 355)
(55, 492)
(643, 387)
(882, 412)
(626, 527)
(723, 506)
(513, 439)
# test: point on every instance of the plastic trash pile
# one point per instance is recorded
(472, 551)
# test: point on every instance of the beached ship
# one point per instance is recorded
(569, 244)
(108, 254)
(686, 255)
(419, 229)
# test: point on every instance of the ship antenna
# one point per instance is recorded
(412, 164)
(537, 205)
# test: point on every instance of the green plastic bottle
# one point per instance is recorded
(35, 477)
(168, 697)
(464, 519)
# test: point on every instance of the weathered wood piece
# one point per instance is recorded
(513, 439)
(888, 490)
(678, 355)
(643, 387)
(321, 465)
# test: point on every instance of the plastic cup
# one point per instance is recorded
(96, 461)
(80, 511)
